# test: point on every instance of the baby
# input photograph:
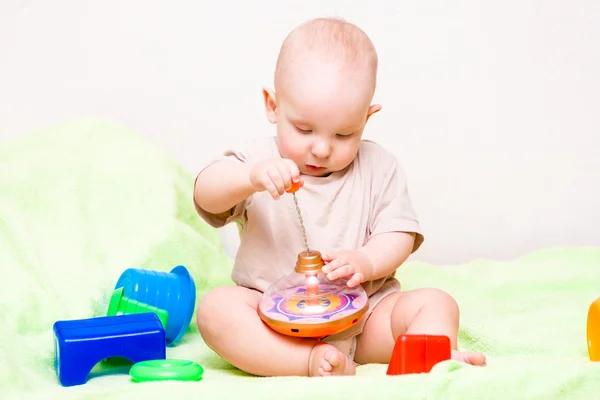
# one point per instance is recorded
(355, 206)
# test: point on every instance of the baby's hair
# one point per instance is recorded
(333, 39)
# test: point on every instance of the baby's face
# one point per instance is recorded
(320, 117)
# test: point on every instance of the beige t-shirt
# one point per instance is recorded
(340, 211)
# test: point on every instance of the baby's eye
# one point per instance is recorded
(344, 135)
(303, 130)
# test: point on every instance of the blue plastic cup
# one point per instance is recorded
(173, 291)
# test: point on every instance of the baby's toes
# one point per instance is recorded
(333, 358)
(325, 365)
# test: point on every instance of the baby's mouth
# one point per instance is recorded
(316, 170)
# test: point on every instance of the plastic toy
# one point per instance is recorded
(415, 354)
(173, 292)
(295, 187)
(593, 330)
(120, 305)
(80, 344)
(162, 370)
(306, 304)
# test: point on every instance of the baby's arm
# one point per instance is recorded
(222, 185)
(381, 256)
(393, 228)
(387, 251)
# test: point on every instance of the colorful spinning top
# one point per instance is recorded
(307, 304)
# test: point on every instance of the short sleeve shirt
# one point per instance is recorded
(340, 211)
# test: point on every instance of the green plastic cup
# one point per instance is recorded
(120, 305)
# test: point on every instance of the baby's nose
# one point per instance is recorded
(321, 149)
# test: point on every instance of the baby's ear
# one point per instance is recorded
(373, 109)
(270, 105)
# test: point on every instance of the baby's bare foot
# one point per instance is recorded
(326, 360)
(469, 357)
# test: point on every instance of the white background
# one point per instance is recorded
(492, 106)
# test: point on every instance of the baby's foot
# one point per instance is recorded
(469, 357)
(326, 360)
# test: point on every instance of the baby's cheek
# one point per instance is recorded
(292, 150)
(344, 154)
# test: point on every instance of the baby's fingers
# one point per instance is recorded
(333, 265)
(286, 178)
(293, 170)
(271, 188)
(267, 183)
(277, 181)
(356, 279)
(327, 257)
(340, 272)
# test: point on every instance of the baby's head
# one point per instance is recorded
(324, 83)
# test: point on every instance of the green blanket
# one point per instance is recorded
(82, 201)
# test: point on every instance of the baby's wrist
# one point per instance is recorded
(367, 265)
(250, 175)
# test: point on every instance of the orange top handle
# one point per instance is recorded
(295, 187)
(593, 330)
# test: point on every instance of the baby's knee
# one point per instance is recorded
(220, 310)
(209, 312)
(440, 299)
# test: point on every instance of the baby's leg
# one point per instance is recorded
(230, 326)
(421, 311)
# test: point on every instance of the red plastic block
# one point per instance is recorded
(415, 354)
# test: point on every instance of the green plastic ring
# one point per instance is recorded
(165, 370)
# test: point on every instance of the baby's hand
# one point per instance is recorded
(275, 175)
(352, 264)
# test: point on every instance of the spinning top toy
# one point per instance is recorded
(307, 304)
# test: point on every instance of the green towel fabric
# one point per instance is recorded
(82, 201)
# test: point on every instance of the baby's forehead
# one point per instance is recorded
(325, 99)
(311, 75)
